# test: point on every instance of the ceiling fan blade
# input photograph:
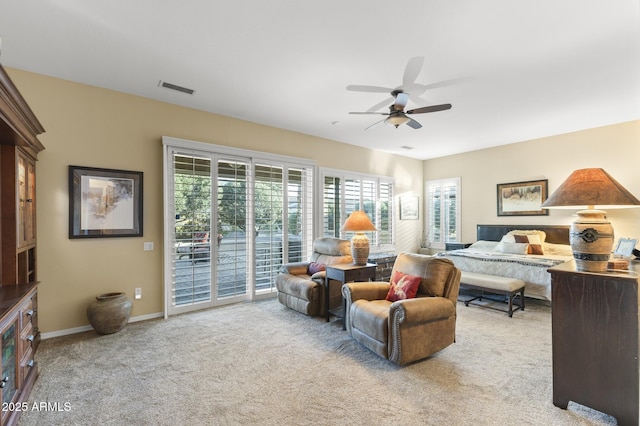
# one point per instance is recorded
(375, 124)
(413, 123)
(411, 72)
(384, 103)
(401, 101)
(374, 89)
(420, 100)
(443, 83)
(417, 89)
(432, 108)
(368, 112)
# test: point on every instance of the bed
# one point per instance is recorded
(494, 254)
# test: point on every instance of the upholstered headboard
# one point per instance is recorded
(557, 234)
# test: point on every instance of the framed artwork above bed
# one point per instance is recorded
(522, 198)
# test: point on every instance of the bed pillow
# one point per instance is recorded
(512, 248)
(403, 286)
(535, 245)
(541, 234)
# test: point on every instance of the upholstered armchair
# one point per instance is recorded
(302, 289)
(410, 329)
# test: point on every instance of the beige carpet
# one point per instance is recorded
(260, 363)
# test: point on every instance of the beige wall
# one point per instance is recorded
(89, 126)
(614, 148)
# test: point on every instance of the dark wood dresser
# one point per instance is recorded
(596, 340)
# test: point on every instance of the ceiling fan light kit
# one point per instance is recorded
(397, 115)
(396, 120)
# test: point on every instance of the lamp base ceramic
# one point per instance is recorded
(360, 249)
(591, 239)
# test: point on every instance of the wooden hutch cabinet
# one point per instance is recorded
(19, 147)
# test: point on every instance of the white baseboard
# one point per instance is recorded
(84, 328)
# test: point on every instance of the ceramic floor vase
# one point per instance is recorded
(109, 313)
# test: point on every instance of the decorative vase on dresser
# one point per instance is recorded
(19, 147)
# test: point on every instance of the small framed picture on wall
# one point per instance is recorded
(409, 207)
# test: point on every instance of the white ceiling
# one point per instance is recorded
(513, 70)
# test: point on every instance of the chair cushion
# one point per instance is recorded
(370, 317)
(403, 286)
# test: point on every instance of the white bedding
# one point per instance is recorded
(482, 258)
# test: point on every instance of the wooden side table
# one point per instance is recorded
(346, 272)
(595, 338)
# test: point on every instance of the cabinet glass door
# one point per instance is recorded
(8, 382)
(22, 197)
(30, 210)
(26, 200)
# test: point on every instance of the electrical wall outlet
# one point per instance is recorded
(148, 246)
(138, 293)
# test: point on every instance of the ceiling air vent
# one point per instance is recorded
(176, 87)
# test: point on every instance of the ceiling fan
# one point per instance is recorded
(400, 97)
(398, 116)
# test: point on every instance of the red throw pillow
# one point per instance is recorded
(315, 267)
(403, 286)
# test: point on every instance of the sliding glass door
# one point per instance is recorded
(230, 223)
(210, 242)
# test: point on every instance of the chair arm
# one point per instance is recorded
(422, 309)
(371, 290)
(295, 268)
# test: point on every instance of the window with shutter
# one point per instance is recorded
(344, 192)
(443, 211)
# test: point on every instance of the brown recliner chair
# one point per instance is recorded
(300, 291)
(411, 329)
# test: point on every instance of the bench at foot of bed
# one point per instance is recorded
(510, 287)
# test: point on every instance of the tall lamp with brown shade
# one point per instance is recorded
(359, 222)
(591, 234)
